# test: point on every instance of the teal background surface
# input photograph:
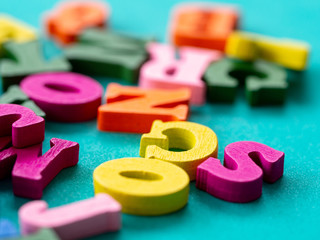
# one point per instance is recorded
(289, 208)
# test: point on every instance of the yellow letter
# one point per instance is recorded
(143, 186)
(198, 142)
(12, 29)
(289, 53)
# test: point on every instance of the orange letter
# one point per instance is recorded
(131, 109)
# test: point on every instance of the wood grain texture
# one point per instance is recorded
(197, 141)
(31, 172)
(240, 179)
(133, 109)
(143, 186)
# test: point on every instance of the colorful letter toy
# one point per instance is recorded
(196, 141)
(77, 220)
(132, 109)
(25, 127)
(240, 179)
(288, 53)
(7, 229)
(69, 19)
(64, 96)
(14, 95)
(143, 186)
(203, 25)
(108, 54)
(24, 59)
(32, 172)
(164, 71)
(13, 30)
(265, 83)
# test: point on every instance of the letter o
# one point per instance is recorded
(64, 96)
(143, 186)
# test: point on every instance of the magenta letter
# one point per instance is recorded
(64, 96)
(240, 179)
(25, 127)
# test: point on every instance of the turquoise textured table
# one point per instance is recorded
(289, 208)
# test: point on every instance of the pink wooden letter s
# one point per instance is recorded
(73, 221)
(165, 71)
(240, 179)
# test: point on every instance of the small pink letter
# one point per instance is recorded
(73, 221)
(166, 72)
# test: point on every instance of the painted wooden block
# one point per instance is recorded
(64, 96)
(288, 53)
(14, 30)
(164, 71)
(132, 109)
(31, 172)
(7, 157)
(44, 233)
(241, 46)
(265, 83)
(195, 142)
(203, 25)
(14, 95)
(66, 22)
(77, 220)
(108, 54)
(7, 229)
(24, 59)
(25, 127)
(143, 186)
(240, 178)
